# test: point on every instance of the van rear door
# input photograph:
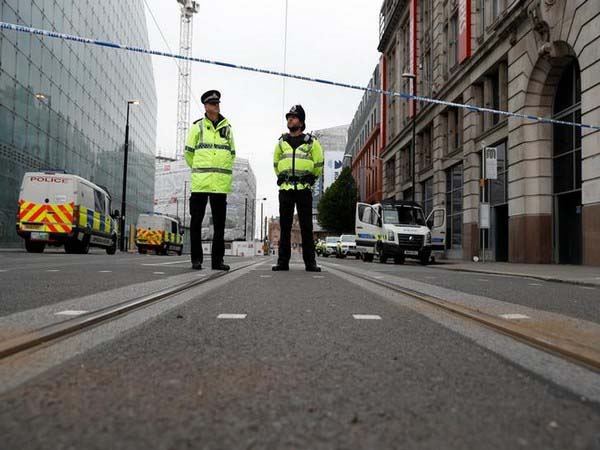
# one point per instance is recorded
(436, 221)
(367, 228)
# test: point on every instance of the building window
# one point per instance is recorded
(455, 128)
(390, 175)
(567, 139)
(427, 187)
(454, 193)
(497, 190)
(405, 166)
(425, 47)
(482, 19)
(453, 39)
(426, 148)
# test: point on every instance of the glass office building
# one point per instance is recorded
(63, 104)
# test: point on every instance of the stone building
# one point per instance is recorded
(536, 57)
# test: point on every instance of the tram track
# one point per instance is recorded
(561, 345)
(79, 324)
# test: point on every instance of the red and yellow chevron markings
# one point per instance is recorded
(46, 217)
(149, 237)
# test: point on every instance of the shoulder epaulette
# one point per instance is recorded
(284, 137)
(196, 121)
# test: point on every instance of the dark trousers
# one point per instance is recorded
(218, 207)
(302, 200)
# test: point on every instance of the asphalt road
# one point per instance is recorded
(581, 302)
(33, 280)
(298, 371)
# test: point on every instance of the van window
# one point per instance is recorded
(99, 202)
(366, 218)
(174, 227)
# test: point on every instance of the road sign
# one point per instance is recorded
(491, 163)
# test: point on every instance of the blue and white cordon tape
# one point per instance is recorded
(69, 37)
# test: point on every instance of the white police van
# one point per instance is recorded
(398, 230)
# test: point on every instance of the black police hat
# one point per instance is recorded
(211, 97)
(298, 111)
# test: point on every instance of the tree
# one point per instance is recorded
(336, 209)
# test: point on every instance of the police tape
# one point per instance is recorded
(83, 40)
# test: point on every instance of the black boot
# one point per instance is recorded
(220, 266)
(280, 267)
(313, 268)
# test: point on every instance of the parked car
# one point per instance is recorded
(330, 246)
(347, 246)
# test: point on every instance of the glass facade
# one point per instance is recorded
(63, 104)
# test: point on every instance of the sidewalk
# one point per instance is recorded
(582, 275)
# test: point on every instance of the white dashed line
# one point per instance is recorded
(53, 270)
(158, 273)
(431, 278)
(534, 284)
(231, 316)
(366, 316)
(106, 271)
(588, 288)
(70, 312)
(482, 279)
(265, 276)
(318, 276)
(514, 316)
(379, 277)
(3, 270)
(166, 263)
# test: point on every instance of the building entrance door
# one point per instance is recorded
(568, 227)
(501, 233)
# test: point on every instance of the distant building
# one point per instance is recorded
(366, 139)
(63, 104)
(172, 192)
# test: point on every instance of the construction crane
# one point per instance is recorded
(188, 9)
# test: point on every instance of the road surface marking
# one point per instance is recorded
(70, 312)
(231, 316)
(588, 288)
(3, 270)
(379, 277)
(166, 263)
(318, 276)
(265, 276)
(534, 284)
(514, 316)
(106, 271)
(366, 316)
(53, 270)
(482, 279)
(431, 278)
(158, 273)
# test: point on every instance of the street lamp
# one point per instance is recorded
(124, 195)
(413, 78)
(261, 218)
(349, 155)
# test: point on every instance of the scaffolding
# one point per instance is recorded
(188, 9)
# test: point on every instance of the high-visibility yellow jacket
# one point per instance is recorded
(306, 159)
(210, 153)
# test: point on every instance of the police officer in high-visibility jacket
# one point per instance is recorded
(298, 162)
(210, 151)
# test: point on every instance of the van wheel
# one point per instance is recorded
(84, 245)
(424, 257)
(399, 259)
(367, 257)
(180, 252)
(142, 250)
(113, 248)
(34, 247)
(71, 246)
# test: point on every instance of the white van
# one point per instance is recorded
(398, 230)
(62, 209)
(158, 232)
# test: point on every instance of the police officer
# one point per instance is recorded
(298, 162)
(210, 151)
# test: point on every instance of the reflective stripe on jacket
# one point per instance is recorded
(307, 159)
(210, 152)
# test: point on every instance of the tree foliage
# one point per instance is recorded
(336, 209)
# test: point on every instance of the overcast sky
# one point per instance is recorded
(331, 39)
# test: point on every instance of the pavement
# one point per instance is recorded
(302, 361)
(582, 275)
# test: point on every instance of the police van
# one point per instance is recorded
(398, 230)
(158, 232)
(59, 209)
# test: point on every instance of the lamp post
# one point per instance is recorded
(124, 194)
(413, 79)
(261, 219)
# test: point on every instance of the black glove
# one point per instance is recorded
(281, 179)
(309, 179)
